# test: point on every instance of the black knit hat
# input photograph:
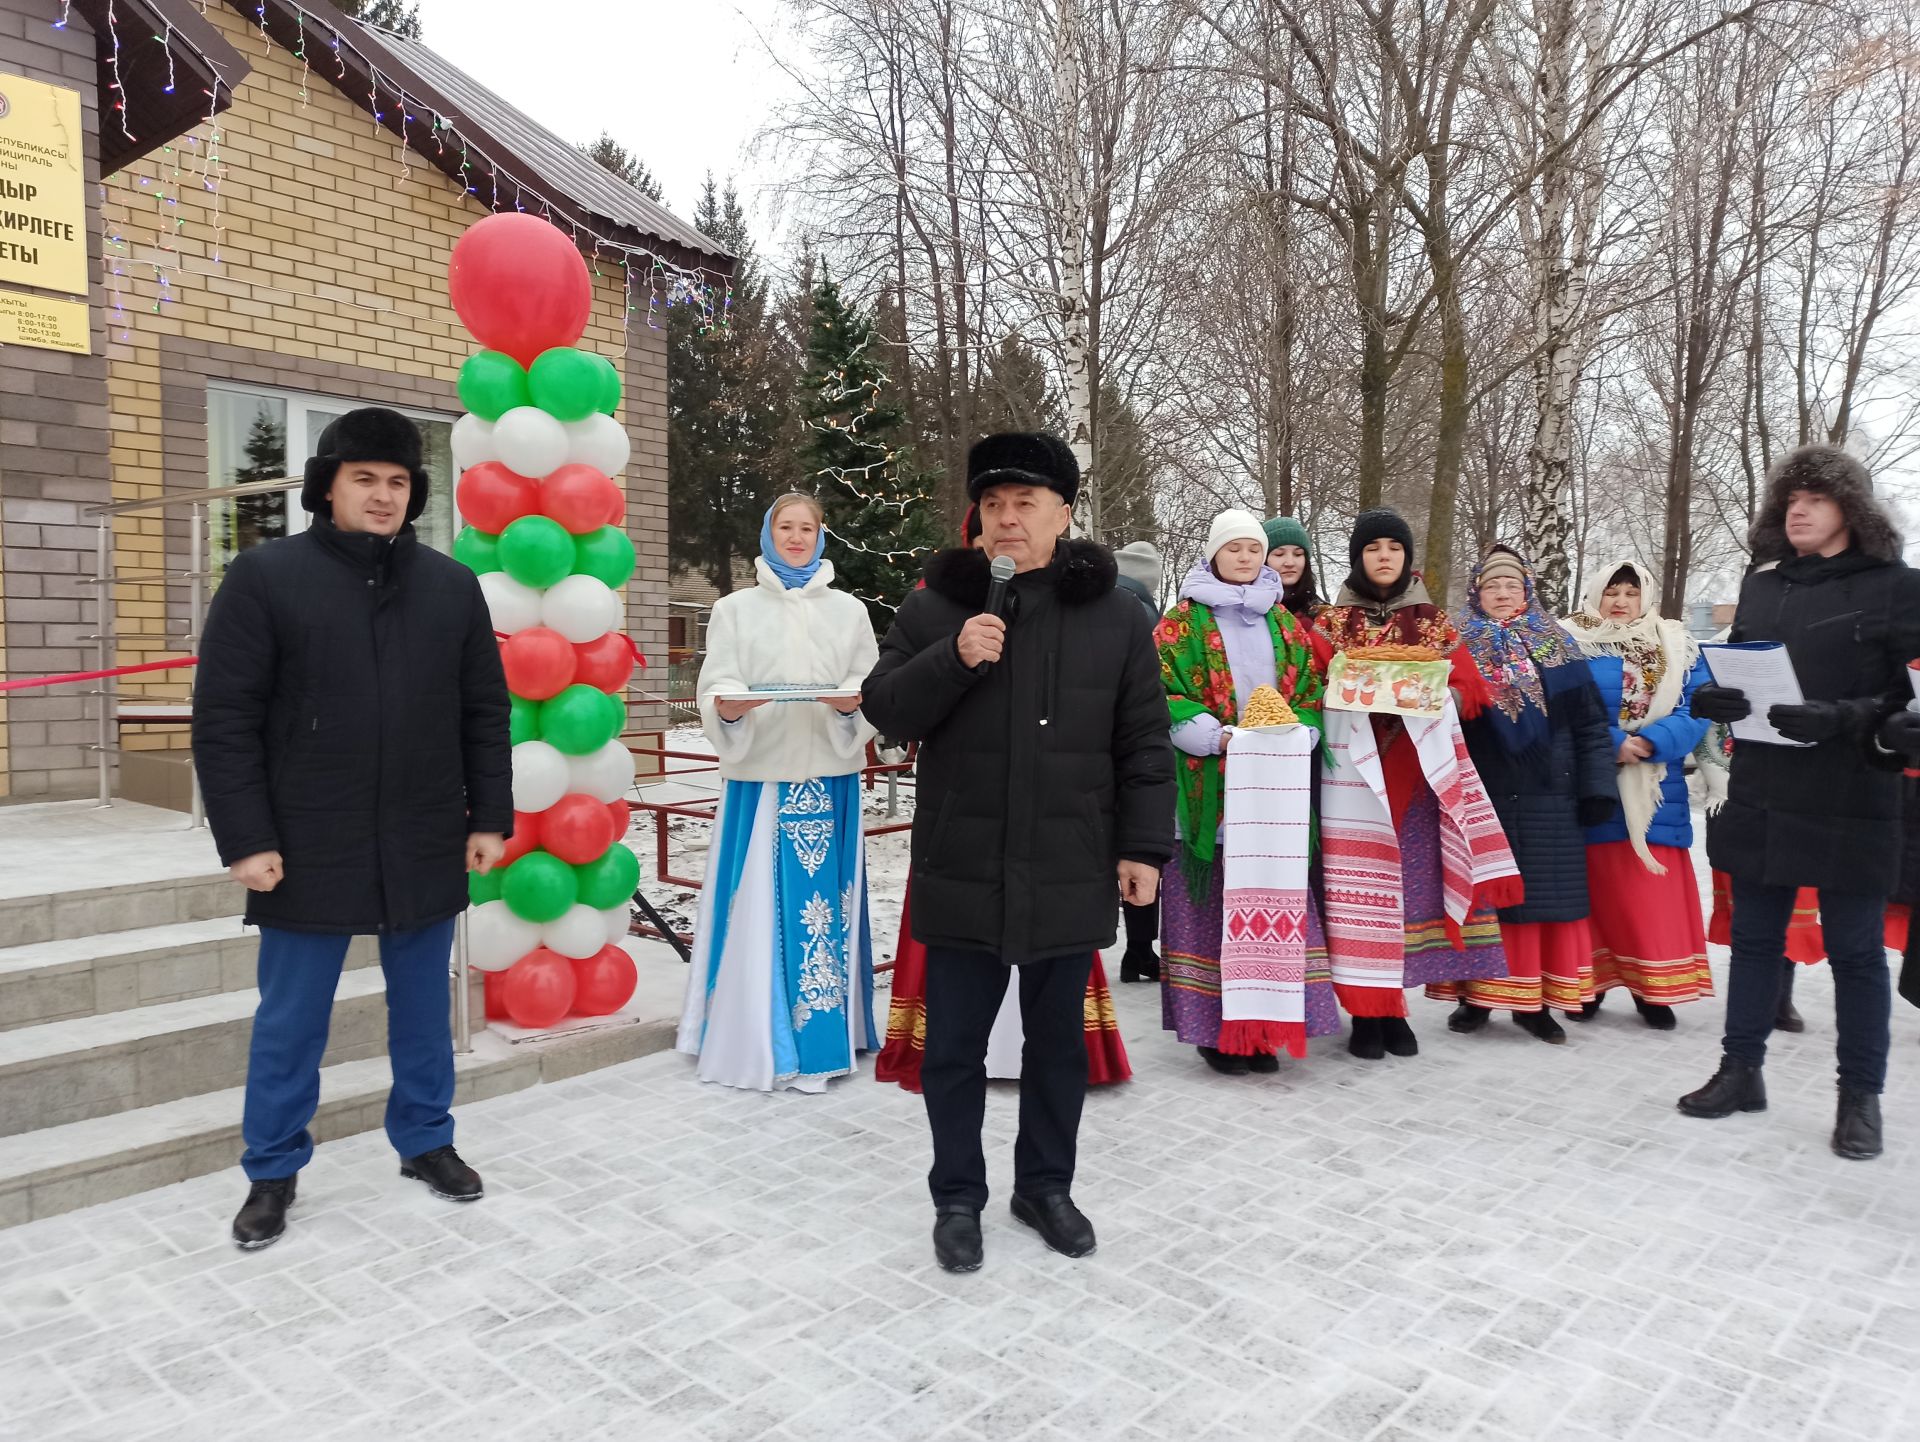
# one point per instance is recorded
(1022, 458)
(372, 433)
(1381, 525)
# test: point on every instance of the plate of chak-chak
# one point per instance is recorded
(1267, 710)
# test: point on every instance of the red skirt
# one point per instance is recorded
(1805, 943)
(906, 1045)
(1549, 964)
(1648, 935)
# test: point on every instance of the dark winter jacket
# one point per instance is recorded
(1828, 814)
(350, 713)
(1140, 593)
(1672, 737)
(1537, 795)
(1037, 775)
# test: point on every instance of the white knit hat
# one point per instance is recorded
(1235, 526)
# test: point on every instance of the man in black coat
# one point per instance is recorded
(1045, 774)
(350, 736)
(1828, 583)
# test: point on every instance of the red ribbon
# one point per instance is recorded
(34, 681)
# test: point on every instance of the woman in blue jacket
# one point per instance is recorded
(1648, 934)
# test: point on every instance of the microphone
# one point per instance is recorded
(1002, 572)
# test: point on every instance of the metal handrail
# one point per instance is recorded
(197, 498)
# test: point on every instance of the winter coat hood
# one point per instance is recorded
(1831, 471)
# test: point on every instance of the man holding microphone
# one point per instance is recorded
(1045, 780)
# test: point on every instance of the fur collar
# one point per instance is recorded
(1081, 571)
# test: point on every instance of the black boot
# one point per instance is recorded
(263, 1218)
(1141, 962)
(1660, 1018)
(956, 1238)
(1222, 1063)
(1786, 1018)
(1856, 1130)
(1368, 1041)
(1541, 1024)
(1398, 1037)
(445, 1175)
(1140, 966)
(1059, 1222)
(1588, 1009)
(1468, 1017)
(1264, 1062)
(1736, 1087)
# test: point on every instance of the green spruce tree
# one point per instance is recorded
(855, 457)
(399, 17)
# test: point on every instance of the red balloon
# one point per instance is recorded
(579, 497)
(525, 838)
(577, 829)
(519, 285)
(622, 815)
(605, 662)
(539, 663)
(491, 497)
(617, 512)
(496, 983)
(604, 982)
(539, 989)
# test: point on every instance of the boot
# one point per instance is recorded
(1856, 1129)
(1141, 962)
(1061, 1224)
(1468, 1018)
(1140, 965)
(1224, 1064)
(445, 1174)
(1264, 1062)
(1398, 1037)
(1368, 1041)
(956, 1238)
(1589, 1009)
(1660, 1018)
(1786, 1018)
(262, 1219)
(1542, 1025)
(1736, 1087)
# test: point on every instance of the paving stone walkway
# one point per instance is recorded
(1494, 1240)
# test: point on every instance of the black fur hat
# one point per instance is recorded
(372, 433)
(1022, 458)
(1832, 472)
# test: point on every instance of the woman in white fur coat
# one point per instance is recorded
(780, 993)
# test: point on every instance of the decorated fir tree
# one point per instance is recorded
(855, 456)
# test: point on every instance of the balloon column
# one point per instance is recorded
(537, 452)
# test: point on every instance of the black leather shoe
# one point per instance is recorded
(1222, 1063)
(1541, 1024)
(263, 1218)
(1736, 1087)
(1468, 1018)
(956, 1239)
(1856, 1130)
(1660, 1018)
(1367, 1042)
(1264, 1062)
(1588, 1009)
(1786, 1017)
(1140, 966)
(1059, 1222)
(1397, 1037)
(445, 1175)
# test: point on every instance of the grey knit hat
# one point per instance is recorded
(1141, 562)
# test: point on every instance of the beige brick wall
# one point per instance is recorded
(318, 264)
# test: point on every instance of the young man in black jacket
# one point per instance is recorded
(1045, 777)
(350, 738)
(1828, 582)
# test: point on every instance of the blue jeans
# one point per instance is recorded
(299, 972)
(1854, 926)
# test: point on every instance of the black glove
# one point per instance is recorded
(1809, 721)
(1597, 810)
(1721, 703)
(1901, 732)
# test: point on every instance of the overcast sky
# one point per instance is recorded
(684, 84)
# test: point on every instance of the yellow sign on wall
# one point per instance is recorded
(43, 201)
(44, 323)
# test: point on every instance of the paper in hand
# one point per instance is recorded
(1764, 672)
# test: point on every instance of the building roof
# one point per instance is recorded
(161, 92)
(509, 160)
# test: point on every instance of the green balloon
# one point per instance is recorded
(611, 880)
(565, 383)
(537, 551)
(492, 384)
(477, 550)
(539, 887)
(609, 401)
(524, 724)
(605, 554)
(578, 720)
(482, 889)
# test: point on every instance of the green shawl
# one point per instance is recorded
(1194, 670)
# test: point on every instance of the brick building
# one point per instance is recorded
(266, 241)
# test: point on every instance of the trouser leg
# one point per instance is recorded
(298, 973)
(1053, 1073)
(419, 1038)
(963, 995)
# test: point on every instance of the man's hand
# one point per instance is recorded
(845, 705)
(261, 871)
(1725, 704)
(1139, 883)
(1634, 748)
(734, 710)
(1810, 721)
(1901, 732)
(982, 639)
(484, 850)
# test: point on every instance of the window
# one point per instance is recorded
(262, 435)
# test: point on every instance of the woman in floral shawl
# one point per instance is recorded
(1227, 635)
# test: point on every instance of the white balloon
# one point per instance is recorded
(496, 938)
(530, 442)
(581, 608)
(605, 775)
(539, 776)
(473, 442)
(619, 920)
(578, 933)
(512, 606)
(601, 442)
